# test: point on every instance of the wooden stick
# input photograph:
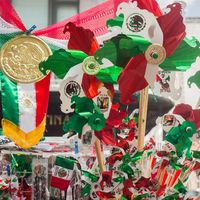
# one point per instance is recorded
(142, 117)
(99, 155)
(198, 198)
(187, 173)
(198, 104)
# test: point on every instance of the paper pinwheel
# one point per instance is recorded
(147, 43)
(82, 74)
(86, 111)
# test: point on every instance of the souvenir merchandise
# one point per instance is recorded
(128, 48)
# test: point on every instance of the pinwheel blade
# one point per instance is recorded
(132, 78)
(173, 28)
(81, 39)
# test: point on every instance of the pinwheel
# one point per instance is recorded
(86, 111)
(82, 74)
(180, 137)
(147, 43)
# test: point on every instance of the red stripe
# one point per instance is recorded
(9, 14)
(42, 98)
(62, 184)
(164, 178)
(176, 176)
(95, 18)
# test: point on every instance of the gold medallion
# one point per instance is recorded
(155, 54)
(20, 57)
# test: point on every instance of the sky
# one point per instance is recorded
(192, 9)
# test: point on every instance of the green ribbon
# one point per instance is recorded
(6, 37)
(9, 95)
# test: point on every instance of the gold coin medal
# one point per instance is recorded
(20, 57)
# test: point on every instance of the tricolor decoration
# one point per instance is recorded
(62, 173)
(24, 110)
(24, 89)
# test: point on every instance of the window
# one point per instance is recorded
(45, 12)
(62, 9)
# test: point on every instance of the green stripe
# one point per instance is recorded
(6, 37)
(9, 97)
(65, 163)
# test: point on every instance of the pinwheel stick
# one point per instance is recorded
(142, 117)
(99, 155)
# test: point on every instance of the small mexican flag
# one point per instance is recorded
(62, 173)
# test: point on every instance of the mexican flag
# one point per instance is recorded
(24, 110)
(62, 173)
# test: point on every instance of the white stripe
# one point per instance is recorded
(69, 193)
(56, 42)
(27, 106)
(6, 28)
